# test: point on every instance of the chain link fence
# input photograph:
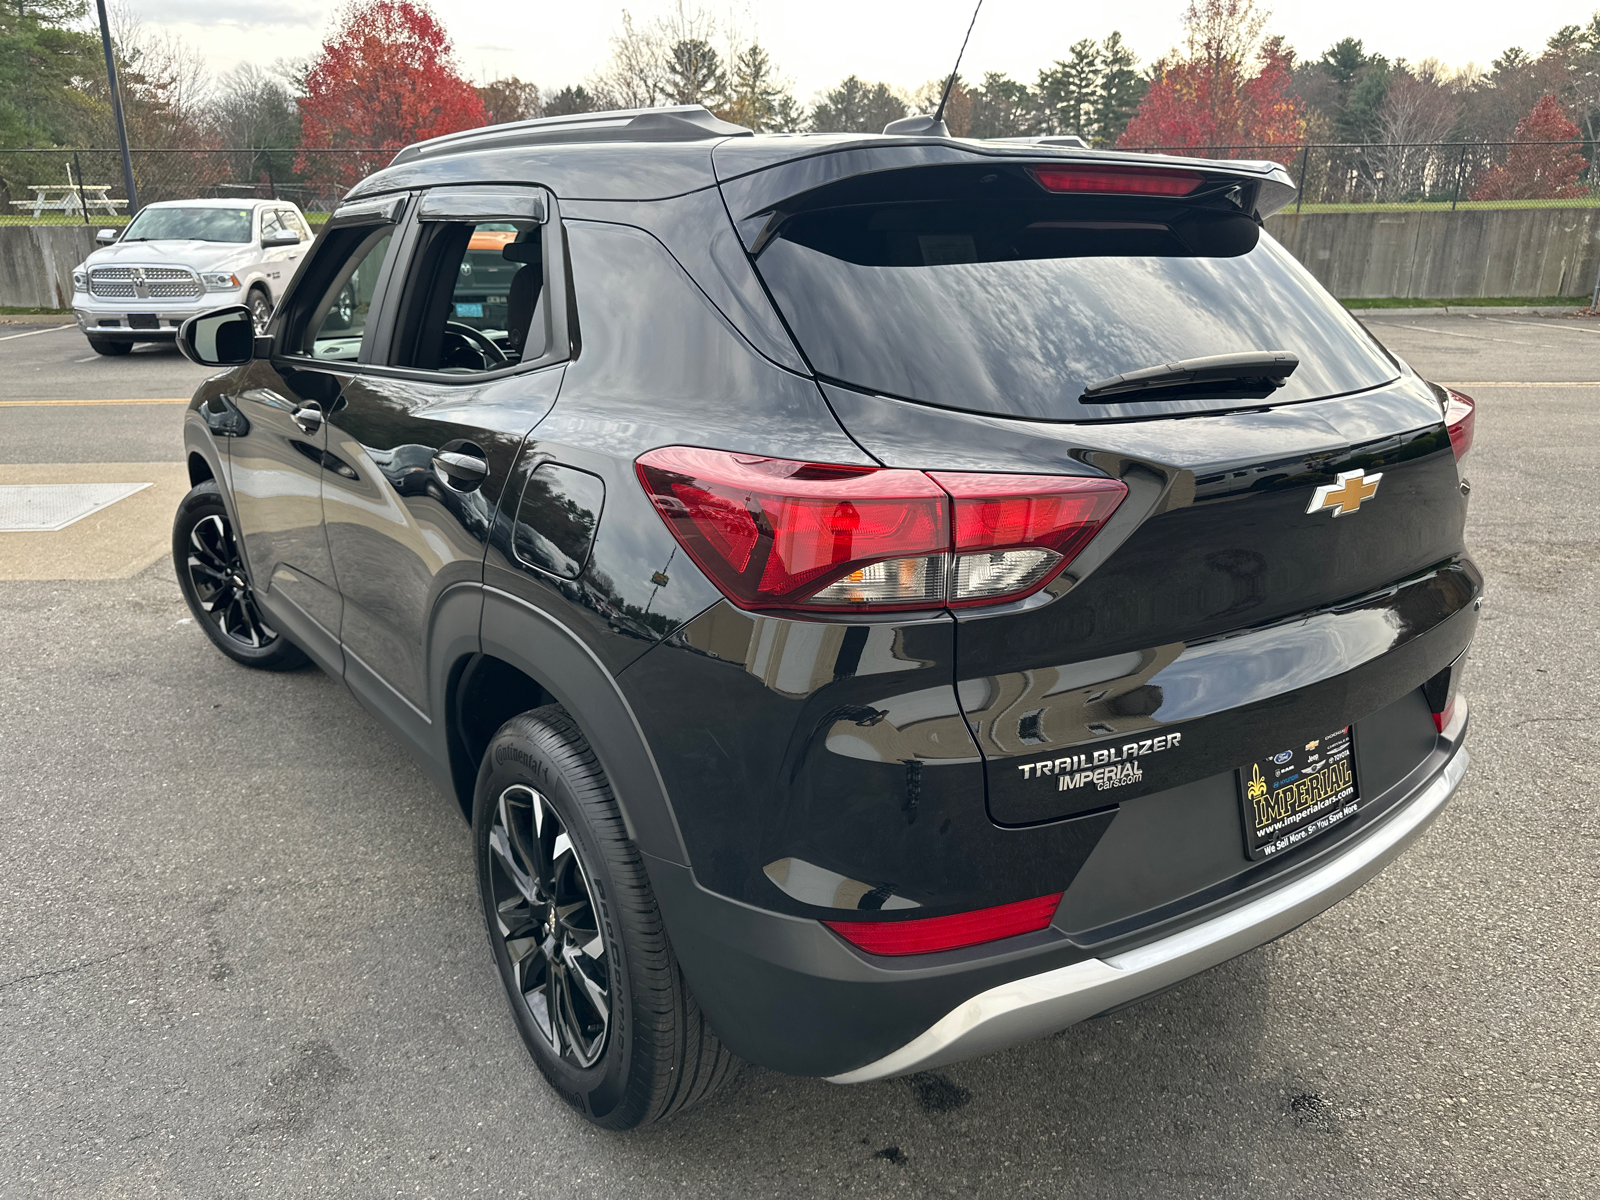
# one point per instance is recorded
(85, 187)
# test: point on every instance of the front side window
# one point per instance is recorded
(269, 224)
(337, 323)
(291, 220)
(473, 299)
(190, 224)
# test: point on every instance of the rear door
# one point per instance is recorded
(279, 460)
(1279, 532)
(426, 434)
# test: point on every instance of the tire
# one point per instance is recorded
(651, 1053)
(260, 305)
(111, 349)
(216, 585)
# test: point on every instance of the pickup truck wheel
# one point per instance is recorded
(260, 309)
(111, 349)
(595, 989)
(216, 585)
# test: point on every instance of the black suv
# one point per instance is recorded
(878, 599)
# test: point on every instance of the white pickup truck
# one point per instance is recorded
(177, 258)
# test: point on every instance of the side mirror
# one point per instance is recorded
(223, 337)
(107, 237)
(281, 237)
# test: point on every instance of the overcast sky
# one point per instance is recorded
(817, 42)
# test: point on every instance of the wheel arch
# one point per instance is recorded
(528, 659)
(199, 469)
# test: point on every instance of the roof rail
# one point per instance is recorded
(1070, 140)
(677, 123)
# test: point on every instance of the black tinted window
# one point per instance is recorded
(1015, 306)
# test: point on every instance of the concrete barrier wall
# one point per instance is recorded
(36, 263)
(1452, 255)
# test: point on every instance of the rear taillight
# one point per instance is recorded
(1458, 417)
(925, 935)
(1015, 533)
(774, 533)
(1134, 181)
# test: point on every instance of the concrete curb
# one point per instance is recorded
(1472, 310)
(36, 319)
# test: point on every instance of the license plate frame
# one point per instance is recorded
(1296, 794)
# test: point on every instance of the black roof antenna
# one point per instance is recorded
(934, 126)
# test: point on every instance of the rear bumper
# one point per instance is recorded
(785, 992)
(1041, 1004)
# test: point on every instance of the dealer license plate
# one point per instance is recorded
(1297, 793)
(143, 321)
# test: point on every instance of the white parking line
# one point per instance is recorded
(11, 337)
(1478, 337)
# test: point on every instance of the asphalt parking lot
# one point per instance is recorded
(240, 951)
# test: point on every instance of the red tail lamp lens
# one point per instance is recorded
(772, 533)
(1124, 182)
(1459, 412)
(925, 935)
(1015, 533)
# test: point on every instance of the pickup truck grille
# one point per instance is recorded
(145, 283)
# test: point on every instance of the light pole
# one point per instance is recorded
(116, 109)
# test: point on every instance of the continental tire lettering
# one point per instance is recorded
(505, 754)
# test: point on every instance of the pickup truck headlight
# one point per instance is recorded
(220, 282)
(80, 281)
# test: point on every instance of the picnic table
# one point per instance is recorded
(70, 198)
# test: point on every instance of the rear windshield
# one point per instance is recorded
(192, 224)
(1015, 302)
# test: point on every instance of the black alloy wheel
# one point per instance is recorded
(260, 310)
(595, 989)
(546, 918)
(216, 584)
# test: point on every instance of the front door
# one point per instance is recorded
(428, 433)
(278, 464)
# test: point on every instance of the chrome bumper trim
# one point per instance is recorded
(1042, 1004)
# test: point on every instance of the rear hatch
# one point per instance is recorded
(1021, 316)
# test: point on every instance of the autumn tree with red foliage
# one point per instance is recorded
(1209, 96)
(1543, 165)
(387, 77)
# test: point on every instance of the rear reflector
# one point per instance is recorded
(773, 533)
(925, 935)
(1113, 181)
(1441, 719)
(1459, 412)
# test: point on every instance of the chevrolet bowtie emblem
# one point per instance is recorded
(1346, 495)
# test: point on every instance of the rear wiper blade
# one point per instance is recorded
(1256, 372)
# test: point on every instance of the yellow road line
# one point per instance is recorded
(53, 403)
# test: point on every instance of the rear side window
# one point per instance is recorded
(975, 288)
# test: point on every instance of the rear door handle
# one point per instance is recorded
(464, 472)
(308, 417)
